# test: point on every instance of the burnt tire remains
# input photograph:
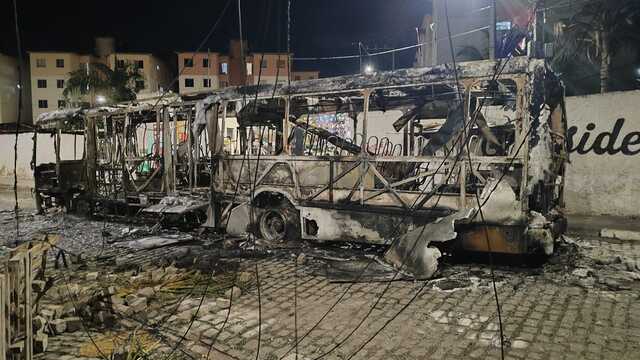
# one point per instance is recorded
(276, 219)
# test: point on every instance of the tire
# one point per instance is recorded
(281, 223)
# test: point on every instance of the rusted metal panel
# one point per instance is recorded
(497, 239)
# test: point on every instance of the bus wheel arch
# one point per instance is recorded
(276, 217)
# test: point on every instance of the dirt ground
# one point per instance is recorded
(210, 297)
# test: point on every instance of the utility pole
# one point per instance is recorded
(393, 60)
(242, 60)
(492, 30)
(360, 57)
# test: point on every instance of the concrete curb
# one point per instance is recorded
(620, 234)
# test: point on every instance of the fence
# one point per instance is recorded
(22, 267)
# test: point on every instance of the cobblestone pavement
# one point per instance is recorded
(549, 312)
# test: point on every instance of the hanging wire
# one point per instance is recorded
(15, 146)
(497, 73)
(385, 52)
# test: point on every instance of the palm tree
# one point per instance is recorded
(98, 79)
(599, 31)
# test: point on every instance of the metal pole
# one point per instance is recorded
(91, 154)
(221, 154)
(243, 60)
(190, 146)
(3, 318)
(360, 57)
(28, 308)
(365, 115)
(393, 60)
(166, 151)
(492, 31)
(34, 165)
(285, 127)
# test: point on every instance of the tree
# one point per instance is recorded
(98, 79)
(599, 31)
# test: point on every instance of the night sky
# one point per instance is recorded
(319, 27)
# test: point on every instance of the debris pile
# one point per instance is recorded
(596, 267)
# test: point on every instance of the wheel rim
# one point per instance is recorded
(273, 225)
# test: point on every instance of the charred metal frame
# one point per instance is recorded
(120, 173)
(316, 187)
(359, 189)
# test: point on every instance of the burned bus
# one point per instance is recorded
(463, 155)
(471, 157)
(135, 159)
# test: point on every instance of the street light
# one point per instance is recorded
(368, 69)
(101, 99)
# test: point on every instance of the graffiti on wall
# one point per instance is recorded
(601, 141)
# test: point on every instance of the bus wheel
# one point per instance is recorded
(280, 224)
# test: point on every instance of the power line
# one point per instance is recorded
(460, 100)
(408, 212)
(496, 74)
(343, 57)
(198, 49)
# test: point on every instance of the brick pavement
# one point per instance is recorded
(546, 315)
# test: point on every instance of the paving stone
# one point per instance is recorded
(58, 326)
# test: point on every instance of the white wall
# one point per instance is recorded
(45, 154)
(604, 174)
(380, 125)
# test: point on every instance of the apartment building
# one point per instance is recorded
(50, 71)
(204, 71)
(274, 68)
(49, 74)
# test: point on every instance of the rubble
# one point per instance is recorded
(233, 293)
(159, 241)
(58, 326)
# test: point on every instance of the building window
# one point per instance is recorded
(140, 64)
(41, 63)
(224, 68)
(188, 83)
(59, 63)
(188, 62)
(281, 64)
(42, 84)
(61, 104)
(43, 104)
(264, 64)
(249, 68)
(60, 84)
(205, 63)
(139, 85)
(206, 83)
(120, 64)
